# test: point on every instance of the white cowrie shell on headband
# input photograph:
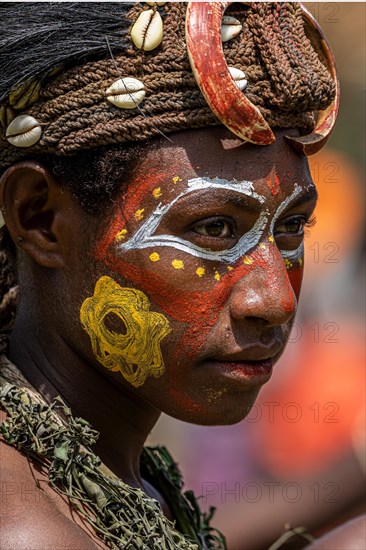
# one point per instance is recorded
(147, 32)
(126, 93)
(23, 131)
(230, 27)
(239, 77)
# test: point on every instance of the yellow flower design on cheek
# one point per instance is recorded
(136, 353)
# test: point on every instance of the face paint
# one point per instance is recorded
(273, 182)
(199, 310)
(295, 275)
(166, 277)
(290, 255)
(144, 237)
(136, 352)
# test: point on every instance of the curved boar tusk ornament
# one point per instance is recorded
(312, 143)
(226, 100)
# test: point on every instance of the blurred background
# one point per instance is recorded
(299, 458)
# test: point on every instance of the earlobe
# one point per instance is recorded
(31, 200)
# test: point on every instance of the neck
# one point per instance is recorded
(54, 368)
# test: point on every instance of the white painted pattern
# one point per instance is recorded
(144, 237)
(291, 255)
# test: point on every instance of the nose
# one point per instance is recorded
(265, 292)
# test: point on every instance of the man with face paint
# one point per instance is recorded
(154, 200)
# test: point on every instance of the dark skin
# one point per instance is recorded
(61, 257)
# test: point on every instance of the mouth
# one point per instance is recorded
(252, 373)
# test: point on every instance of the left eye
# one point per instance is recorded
(293, 226)
(214, 228)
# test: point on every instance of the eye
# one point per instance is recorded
(294, 226)
(217, 228)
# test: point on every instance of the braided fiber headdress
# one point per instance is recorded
(80, 76)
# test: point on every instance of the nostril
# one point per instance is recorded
(255, 319)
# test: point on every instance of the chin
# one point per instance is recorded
(222, 411)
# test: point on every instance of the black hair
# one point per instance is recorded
(95, 177)
(65, 34)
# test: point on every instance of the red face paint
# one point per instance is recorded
(295, 275)
(133, 201)
(273, 182)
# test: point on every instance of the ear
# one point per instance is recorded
(35, 208)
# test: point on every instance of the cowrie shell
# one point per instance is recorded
(156, 3)
(147, 32)
(23, 131)
(126, 93)
(239, 77)
(230, 27)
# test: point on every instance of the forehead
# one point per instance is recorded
(187, 167)
(212, 154)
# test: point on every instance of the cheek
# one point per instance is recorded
(131, 348)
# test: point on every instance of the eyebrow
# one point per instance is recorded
(251, 204)
(236, 200)
(309, 194)
(241, 201)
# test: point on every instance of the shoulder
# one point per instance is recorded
(31, 515)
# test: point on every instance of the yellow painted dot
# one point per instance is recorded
(247, 260)
(217, 276)
(229, 268)
(157, 192)
(262, 246)
(154, 257)
(200, 271)
(121, 235)
(300, 262)
(271, 239)
(288, 264)
(176, 179)
(178, 264)
(139, 214)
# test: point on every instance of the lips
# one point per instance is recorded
(252, 353)
(249, 373)
(259, 371)
(251, 365)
